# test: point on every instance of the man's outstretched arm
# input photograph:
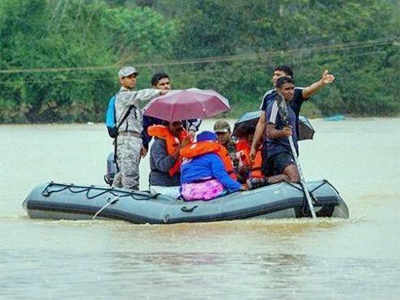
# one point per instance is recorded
(326, 78)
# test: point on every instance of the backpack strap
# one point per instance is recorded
(118, 125)
(123, 118)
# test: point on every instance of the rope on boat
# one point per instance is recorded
(105, 206)
(313, 197)
(75, 189)
(314, 189)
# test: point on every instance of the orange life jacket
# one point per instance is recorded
(243, 151)
(172, 142)
(204, 147)
(257, 165)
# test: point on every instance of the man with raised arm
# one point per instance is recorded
(279, 162)
(299, 96)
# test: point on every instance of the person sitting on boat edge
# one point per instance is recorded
(204, 171)
(224, 137)
(165, 161)
(278, 160)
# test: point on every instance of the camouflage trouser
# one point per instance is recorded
(128, 159)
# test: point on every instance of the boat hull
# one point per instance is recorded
(78, 202)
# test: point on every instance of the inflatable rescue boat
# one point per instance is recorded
(81, 202)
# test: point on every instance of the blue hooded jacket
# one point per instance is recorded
(207, 165)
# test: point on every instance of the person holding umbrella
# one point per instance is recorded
(165, 161)
(129, 120)
(162, 81)
(187, 104)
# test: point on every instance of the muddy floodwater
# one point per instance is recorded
(358, 258)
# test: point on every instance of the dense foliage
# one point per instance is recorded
(59, 59)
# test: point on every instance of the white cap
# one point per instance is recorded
(126, 71)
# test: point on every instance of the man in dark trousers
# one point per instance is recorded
(281, 121)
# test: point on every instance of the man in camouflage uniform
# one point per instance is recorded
(129, 142)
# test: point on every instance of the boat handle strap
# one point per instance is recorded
(187, 209)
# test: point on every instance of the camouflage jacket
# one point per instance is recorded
(126, 98)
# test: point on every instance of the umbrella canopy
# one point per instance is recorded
(248, 121)
(306, 131)
(187, 104)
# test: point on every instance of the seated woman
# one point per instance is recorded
(204, 171)
(165, 161)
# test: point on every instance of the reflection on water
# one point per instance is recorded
(358, 258)
(197, 275)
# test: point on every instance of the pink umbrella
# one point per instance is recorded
(187, 104)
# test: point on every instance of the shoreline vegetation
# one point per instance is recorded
(212, 120)
(60, 59)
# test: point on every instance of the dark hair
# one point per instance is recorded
(288, 71)
(157, 77)
(282, 80)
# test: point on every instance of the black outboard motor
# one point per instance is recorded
(111, 169)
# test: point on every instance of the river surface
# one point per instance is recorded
(358, 258)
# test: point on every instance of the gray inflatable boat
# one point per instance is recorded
(284, 200)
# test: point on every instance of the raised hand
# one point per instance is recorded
(327, 78)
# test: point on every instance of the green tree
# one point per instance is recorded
(83, 43)
(243, 41)
(230, 46)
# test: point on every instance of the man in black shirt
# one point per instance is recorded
(300, 95)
